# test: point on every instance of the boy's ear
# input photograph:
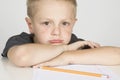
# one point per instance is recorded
(29, 23)
(75, 20)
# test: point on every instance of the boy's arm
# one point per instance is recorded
(103, 56)
(31, 54)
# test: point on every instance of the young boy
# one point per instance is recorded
(51, 42)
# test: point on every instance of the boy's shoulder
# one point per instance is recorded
(20, 39)
(25, 37)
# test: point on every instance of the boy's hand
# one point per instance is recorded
(81, 44)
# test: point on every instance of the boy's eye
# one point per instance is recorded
(65, 23)
(46, 23)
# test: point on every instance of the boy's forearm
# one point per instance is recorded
(102, 56)
(31, 54)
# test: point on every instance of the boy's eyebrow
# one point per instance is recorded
(40, 19)
(61, 19)
(70, 19)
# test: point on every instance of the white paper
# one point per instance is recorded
(40, 74)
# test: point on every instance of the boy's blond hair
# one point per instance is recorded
(31, 6)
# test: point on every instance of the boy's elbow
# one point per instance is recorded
(17, 55)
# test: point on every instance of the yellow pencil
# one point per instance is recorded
(75, 72)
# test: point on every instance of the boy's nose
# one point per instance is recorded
(56, 31)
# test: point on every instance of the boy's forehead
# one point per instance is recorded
(54, 5)
(54, 2)
(49, 4)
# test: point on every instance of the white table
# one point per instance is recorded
(8, 71)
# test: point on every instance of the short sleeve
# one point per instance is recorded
(74, 39)
(23, 38)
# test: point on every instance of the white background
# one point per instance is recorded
(98, 20)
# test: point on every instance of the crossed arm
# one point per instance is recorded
(48, 55)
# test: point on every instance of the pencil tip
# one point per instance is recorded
(106, 76)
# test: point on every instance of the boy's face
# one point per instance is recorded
(53, 22)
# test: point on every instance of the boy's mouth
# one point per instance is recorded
(55, 41)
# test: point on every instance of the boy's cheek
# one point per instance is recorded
(67, 38)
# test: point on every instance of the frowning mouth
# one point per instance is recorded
(56, 41)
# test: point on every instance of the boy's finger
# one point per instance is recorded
(93, 44)
(96, 45)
